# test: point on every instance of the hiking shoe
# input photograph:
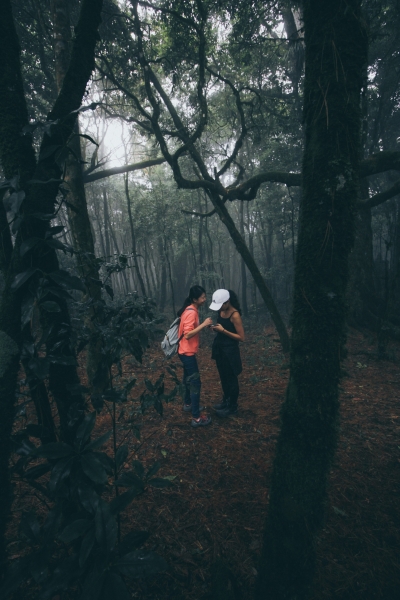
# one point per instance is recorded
(221, 405)
(201, 421)
(227, 412)
(188, 408)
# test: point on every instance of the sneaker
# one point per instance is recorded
(227, 412)
(221, 405)
(201, 421)
(188, 408)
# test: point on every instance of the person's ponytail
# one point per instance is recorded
(234, 300)
(194, 293)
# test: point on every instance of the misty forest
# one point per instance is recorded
(150, 146)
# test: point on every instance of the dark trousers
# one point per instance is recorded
(192, 383)
(229, 381)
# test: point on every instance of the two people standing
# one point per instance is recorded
(225, 350)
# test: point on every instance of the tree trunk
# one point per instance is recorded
(254, 270)
(243, 266)
(133, 238)
(336, 50)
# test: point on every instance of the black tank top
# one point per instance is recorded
(224, 340)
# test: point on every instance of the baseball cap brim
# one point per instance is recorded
(215, 305)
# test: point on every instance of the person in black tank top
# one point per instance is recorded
(225, 349)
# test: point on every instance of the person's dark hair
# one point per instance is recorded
(194, 293)
(234, 300)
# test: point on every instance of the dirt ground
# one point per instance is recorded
(218, 501)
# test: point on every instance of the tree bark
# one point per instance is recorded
(133, 238)
(336, 50)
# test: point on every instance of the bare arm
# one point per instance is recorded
(237, 321)
(206, 323)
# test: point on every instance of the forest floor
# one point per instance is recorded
(218, 501)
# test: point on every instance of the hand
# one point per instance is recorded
(218, 328)
(207, 322)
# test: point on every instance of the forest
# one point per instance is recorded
(149, 146)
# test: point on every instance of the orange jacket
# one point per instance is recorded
(189, 321)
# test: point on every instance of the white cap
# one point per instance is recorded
(218, 298)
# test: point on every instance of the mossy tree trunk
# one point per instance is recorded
(336, 50)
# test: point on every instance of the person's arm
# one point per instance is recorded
(206, 323)
(237, 321)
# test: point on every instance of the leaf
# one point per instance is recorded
(39, 367)
(140, 564)
(62, 360)
(39, 564)
(93, 468)
(153, 470)
(36, 472)
(139, 468)
(130, 385)
(74, 530)
(164, 453)
(49, 151)
(132, 541)
(28, 245)
(54, 230)
(13, 202)
(59, 472)
(340, 512)
(86, 547)
(119, 503)
(30, 527)
(22, 278)
(106, 526)
(88, 497)
(54, 450)
(121, 456)
(93, 585)
(36, 431)
(160, 482)
(129, 479)
(109, 291)
(58, 245)
(149, 385)
(50, 306)
(114, 587)
(85, 429)
(67, 281)
(16, 575)
(87, 137)
(103, 439)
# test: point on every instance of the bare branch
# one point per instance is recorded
(124, 169)
(380, 198)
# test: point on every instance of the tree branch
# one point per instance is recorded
(381, 197)
(125, 169)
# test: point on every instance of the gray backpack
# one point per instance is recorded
(170, 343)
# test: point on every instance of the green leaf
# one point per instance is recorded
(139, 468)
(49, 151)
(160, 482)
(39, 564)
(140, 564)
(54, 450)
(114, 587)
(74, 530)
(22, 278)
(132, 541)
(149, 385)
(86, 547)
(50, 306)
(28, 245)
(93, 468)
(30, 527)
(119, 503)
(129, 479)
(85, 429)
(105, 526)
(67, 281)
(153, 470)
(130, 385)
(59, 472)
(103, 439)
(121, 455)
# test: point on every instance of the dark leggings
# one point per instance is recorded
(229, 381)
